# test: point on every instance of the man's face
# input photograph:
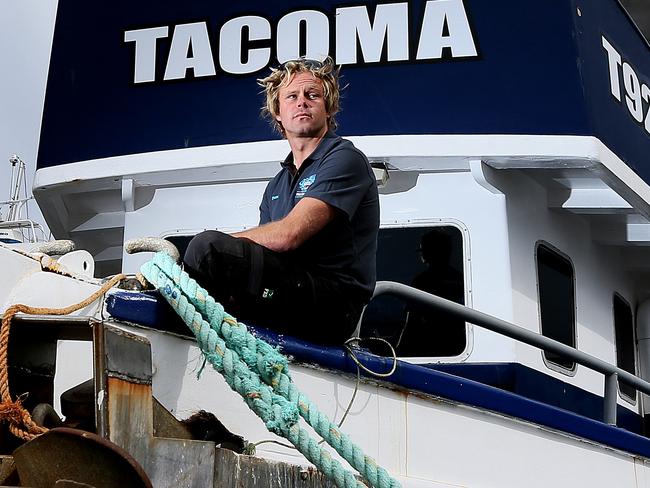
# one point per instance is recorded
(302, 107)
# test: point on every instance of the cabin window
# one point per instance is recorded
(624, 332)
(430, 259)
(181, 242)
(555, 279)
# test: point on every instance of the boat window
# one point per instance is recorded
(430, 259)
(624, 332)
(181, 242)
(555, 279)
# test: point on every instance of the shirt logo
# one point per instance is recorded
(304, 185)
(275, 197)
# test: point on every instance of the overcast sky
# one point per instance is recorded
(26, 28)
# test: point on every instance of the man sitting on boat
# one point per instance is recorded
(309, 267)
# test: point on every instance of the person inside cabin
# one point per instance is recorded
(308, 269)
(433, 332)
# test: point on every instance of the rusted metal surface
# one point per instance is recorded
(78, 456)
(120, 355)
(71, 484)
(127, 356)
(168, 462)
(123, 360)
(127, 414)
(8, 473)
(130, 416)
(100, 377)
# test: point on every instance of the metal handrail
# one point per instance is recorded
(19, 200)
(24, 224)
(612, 373)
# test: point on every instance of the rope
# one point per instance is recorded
(250, 449)
(353, 355)
(20, 421)
(259, 373)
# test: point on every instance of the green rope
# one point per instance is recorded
(259, 373)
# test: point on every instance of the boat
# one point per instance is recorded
(16, 227)
(507, 342)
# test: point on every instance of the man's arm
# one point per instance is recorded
(306, 219)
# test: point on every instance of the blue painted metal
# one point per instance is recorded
(533, 384)
(510, 389)
(610, 119)
(147, 308)
(541, 69)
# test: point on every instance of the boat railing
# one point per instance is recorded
(612, 374)
(22, 224)
(21, 202)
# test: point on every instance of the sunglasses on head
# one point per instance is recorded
(309, 63)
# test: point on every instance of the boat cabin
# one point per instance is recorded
(512, 166)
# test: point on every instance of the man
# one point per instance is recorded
(309, 268)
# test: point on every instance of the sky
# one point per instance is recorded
(26, 29)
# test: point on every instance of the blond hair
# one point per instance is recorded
(280, 77)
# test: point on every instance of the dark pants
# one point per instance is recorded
(271, 289)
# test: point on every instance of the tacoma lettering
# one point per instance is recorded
(245, 42)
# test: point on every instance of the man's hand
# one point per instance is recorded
(306, 219)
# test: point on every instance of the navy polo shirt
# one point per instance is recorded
(338, 174)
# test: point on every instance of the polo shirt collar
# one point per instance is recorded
(323, 147)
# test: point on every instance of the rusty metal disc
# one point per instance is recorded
(74, 456)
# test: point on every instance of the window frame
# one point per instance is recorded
(549, 363)
(622, 395)
(465, 236)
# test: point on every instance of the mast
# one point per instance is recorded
(17, 177)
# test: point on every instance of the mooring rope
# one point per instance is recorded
(259, 373)
(20, 421)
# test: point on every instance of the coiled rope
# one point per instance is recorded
(20, 421)
(259, 373)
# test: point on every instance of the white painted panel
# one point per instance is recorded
(192, 209)
(458, 197)
(74, 365)
(15, 267)
(600, 271)
(426, 442)
(464, 446)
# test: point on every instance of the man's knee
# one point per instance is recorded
(203, 245)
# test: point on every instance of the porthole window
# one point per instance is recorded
(555, 282)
